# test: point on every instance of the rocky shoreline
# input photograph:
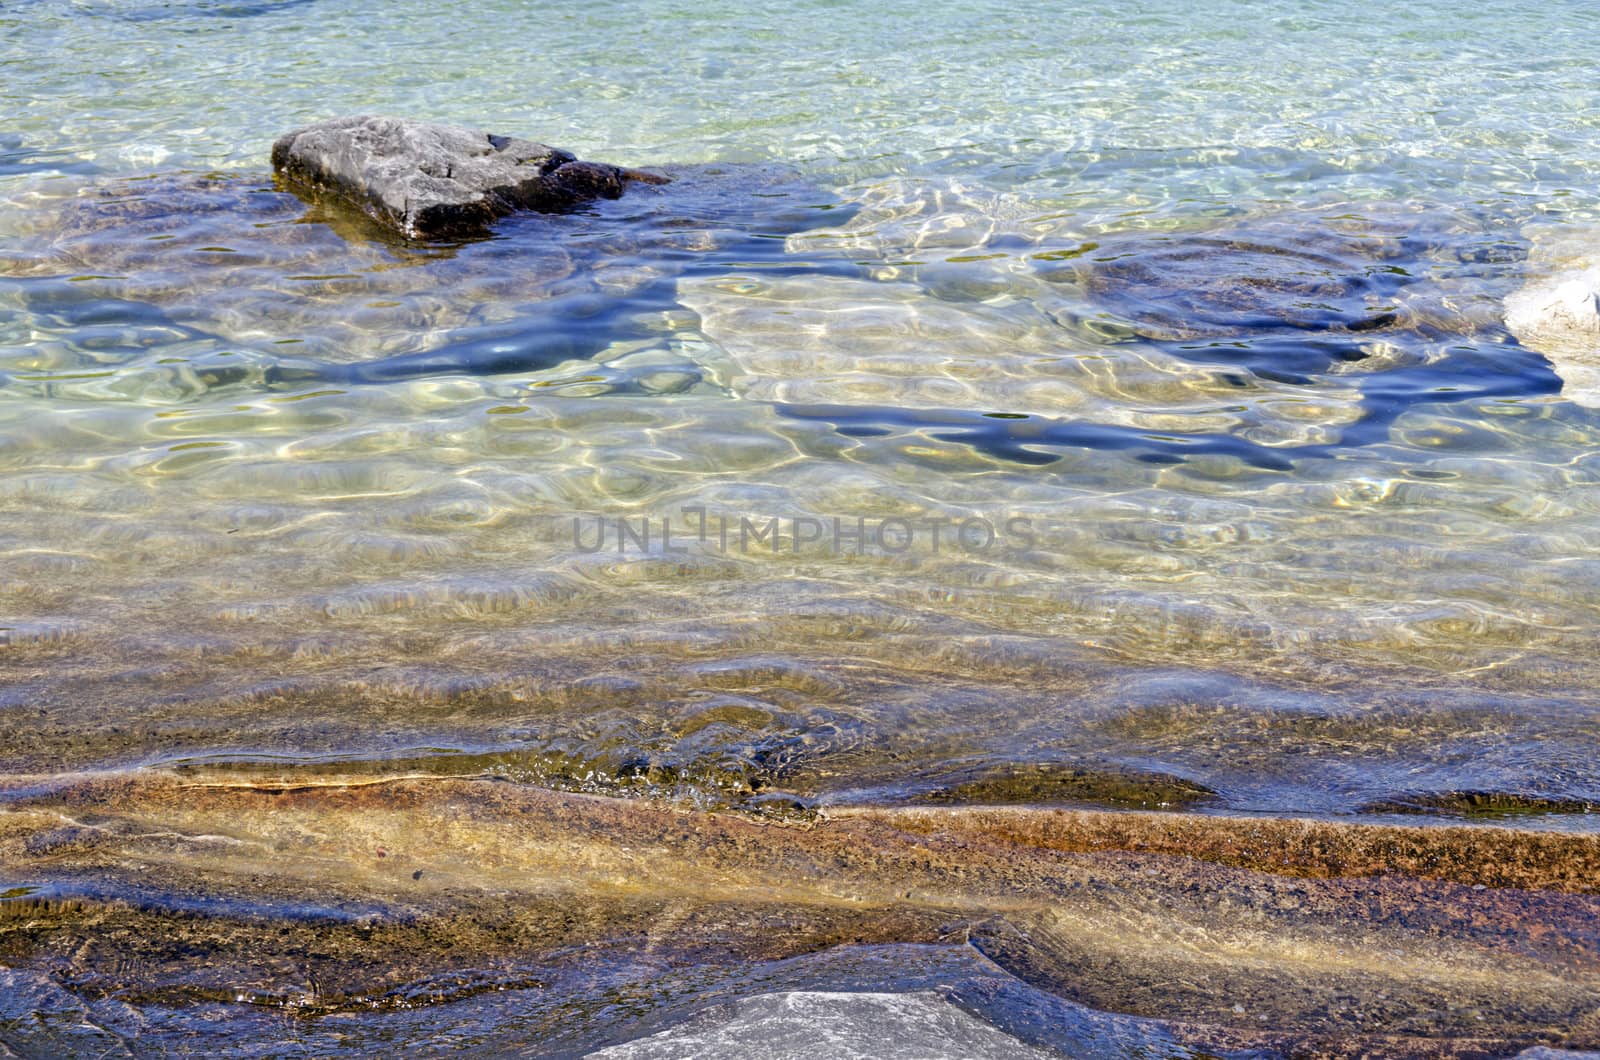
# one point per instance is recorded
(412, 900)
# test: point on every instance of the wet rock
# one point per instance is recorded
(1483, 805)
(838, 1024)
(1559, 316)
(40, 1018)
(237, 269)
(530, 897)
(431, 180)
(1045, 782)
(1335, 271)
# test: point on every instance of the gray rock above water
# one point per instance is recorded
(428, 180)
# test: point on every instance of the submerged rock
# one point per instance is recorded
(431, 180)
(240, 270)
(870, 1026)
(1341, 271)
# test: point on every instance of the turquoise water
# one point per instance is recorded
(1097, 106)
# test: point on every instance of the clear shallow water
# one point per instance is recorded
(1219, 334)
(1156, 355)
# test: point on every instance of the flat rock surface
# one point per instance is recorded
(801, 1024)
(431, 180)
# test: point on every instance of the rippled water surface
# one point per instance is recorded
(1102, 404)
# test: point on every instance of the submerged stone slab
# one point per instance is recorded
(1559, 316)
(391, 905)
(429, 180)
(846, 1026)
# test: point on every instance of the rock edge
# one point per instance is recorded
(427, 180)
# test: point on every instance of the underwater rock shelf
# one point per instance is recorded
(422, 900)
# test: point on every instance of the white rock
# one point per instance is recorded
(1557, 313)
(809, 1025)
